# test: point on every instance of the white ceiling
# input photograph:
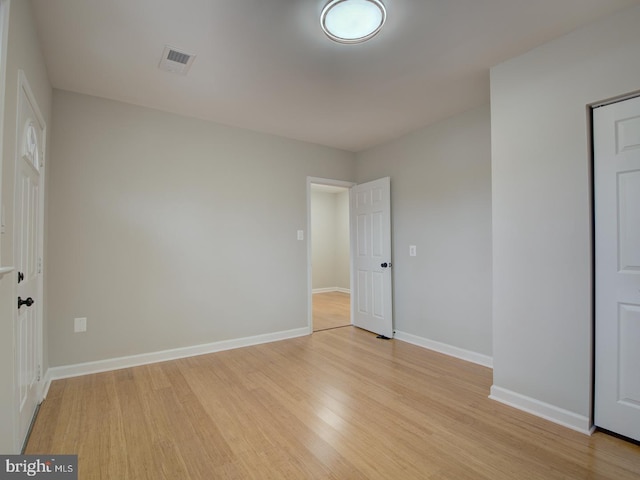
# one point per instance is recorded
(265, 65)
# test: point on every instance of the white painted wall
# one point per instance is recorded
(330, 240)
(343, 242)
(322, 240)
(23, 52)
(440, 202)
(169, 232)
(541, 176)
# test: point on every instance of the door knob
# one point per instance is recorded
(384, 265)
(28, 302)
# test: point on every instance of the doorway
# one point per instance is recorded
(330, 254)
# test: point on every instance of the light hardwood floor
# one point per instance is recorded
(337, 404)
(331, 310)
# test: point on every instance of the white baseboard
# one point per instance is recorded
(544, 410)
(66, 371)
(461, 353)
(323, 290)
(331, 289)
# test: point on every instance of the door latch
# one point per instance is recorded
(28, 302)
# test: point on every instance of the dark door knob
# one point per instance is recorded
(384, 265)
(28, 302)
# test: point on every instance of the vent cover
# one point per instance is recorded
(173, 60)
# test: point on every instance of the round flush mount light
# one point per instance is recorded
(352, 21)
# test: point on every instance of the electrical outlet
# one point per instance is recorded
(80, 325)
(300, 234)
(412, 250)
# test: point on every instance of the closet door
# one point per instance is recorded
(617, 252)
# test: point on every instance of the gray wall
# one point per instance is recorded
(330, 240)
(343, 250)
(170, 232)
(440, 202)
(542, 291)
(23, 53)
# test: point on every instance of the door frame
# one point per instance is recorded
(4, 39)
(23, 85)
(334, 183)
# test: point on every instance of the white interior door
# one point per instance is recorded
(371, 236)
(28, 245)
(617, 249)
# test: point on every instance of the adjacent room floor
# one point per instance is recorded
(337, 404)
(331, 310)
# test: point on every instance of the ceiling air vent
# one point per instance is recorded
(175, 61)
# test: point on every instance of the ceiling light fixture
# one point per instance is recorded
(352, 21)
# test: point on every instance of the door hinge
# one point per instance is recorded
(39, 372)
(39, 264)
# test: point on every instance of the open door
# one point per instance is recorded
(371, 256)
(616, 134)
(28, 247)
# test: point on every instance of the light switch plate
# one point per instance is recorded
(80, 325)
(300, 234)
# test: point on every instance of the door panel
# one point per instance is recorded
(629, 355)
(629, 223)
(362, 293)
(361, 235)
(378, 294)
(617, 252)
(371, 204)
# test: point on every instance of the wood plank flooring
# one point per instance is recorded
(331, 310)
(338, 404)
